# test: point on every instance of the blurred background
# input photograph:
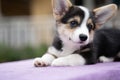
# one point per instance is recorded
(27, 26)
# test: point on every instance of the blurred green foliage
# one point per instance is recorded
(8, 53)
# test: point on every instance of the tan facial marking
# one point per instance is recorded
(68, 28)
(91, 35)
(77, 18)
(90, 22)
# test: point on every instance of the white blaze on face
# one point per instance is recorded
(82, 29)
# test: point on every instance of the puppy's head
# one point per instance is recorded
(76, 23)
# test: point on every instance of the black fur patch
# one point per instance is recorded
(107, 42)
(92, 17)
(57, 43)
(88, 54)
(73, 11)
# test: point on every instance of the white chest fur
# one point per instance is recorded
(67, 49)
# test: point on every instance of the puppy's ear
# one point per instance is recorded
(60, 7)
(104, 13)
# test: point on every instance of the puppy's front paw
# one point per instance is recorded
(38, 62)
(60, 62)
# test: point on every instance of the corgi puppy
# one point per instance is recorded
(75, 27)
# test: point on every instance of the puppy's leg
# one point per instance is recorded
(71, 60)
(47, 58)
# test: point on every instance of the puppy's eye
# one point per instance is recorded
(90, 26)
(73, 24)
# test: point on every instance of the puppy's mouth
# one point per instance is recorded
(79, 42)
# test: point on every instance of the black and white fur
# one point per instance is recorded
(75, 26)
(107, 44)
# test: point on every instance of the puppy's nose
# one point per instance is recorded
(83, 37)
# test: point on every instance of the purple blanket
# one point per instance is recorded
(24, 70)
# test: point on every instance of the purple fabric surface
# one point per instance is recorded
(24, 70)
